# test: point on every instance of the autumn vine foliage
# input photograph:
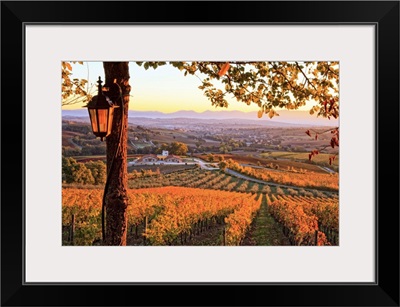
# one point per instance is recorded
(306, 180)
(174, 214)
(307, 221)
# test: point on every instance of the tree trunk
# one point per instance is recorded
(116, 196)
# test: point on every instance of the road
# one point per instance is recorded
(203, 164)
(326, 169)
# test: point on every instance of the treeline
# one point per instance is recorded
(93, 172)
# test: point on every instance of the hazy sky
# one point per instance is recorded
(164, 89)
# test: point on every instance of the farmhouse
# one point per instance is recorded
(148, 158)
(173, 158)
(159, 159)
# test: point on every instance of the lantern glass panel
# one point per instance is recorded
(103, 119)
(93, 120)
(110, 116)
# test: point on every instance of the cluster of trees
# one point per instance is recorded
(86, 150)
(80, 128)
(174, 148)
(93, 172)
(212, 158)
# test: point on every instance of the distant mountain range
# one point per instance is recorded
(286, 117)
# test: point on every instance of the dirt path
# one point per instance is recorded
(264, 231)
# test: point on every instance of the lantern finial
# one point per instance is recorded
(99, 87)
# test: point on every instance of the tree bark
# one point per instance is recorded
(116, 195)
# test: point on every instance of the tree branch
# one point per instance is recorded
(307, 79)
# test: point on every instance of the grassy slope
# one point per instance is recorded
(264, 230)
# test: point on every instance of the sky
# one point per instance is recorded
(164, 89)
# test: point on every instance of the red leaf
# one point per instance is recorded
(309, 157)
(336, 142)
(308, 133)
(330, 161)
(332, 143)
(316, 136)
(325, 103)
(224, 69)
(331, 106)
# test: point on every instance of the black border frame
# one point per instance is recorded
(16, 14)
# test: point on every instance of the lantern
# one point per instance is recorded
(101, 112)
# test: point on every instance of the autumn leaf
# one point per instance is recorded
(331, 106)
(308, 133)
(271, 113)
(336, 141)
(260, 113)
(224, 69)
(325, 103)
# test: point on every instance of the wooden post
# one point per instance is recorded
(72, 229)
(144, 229)
(316, 238)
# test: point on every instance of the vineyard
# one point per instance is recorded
(306, 180)
(198, 216)
(216, 180)
(306, 220)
